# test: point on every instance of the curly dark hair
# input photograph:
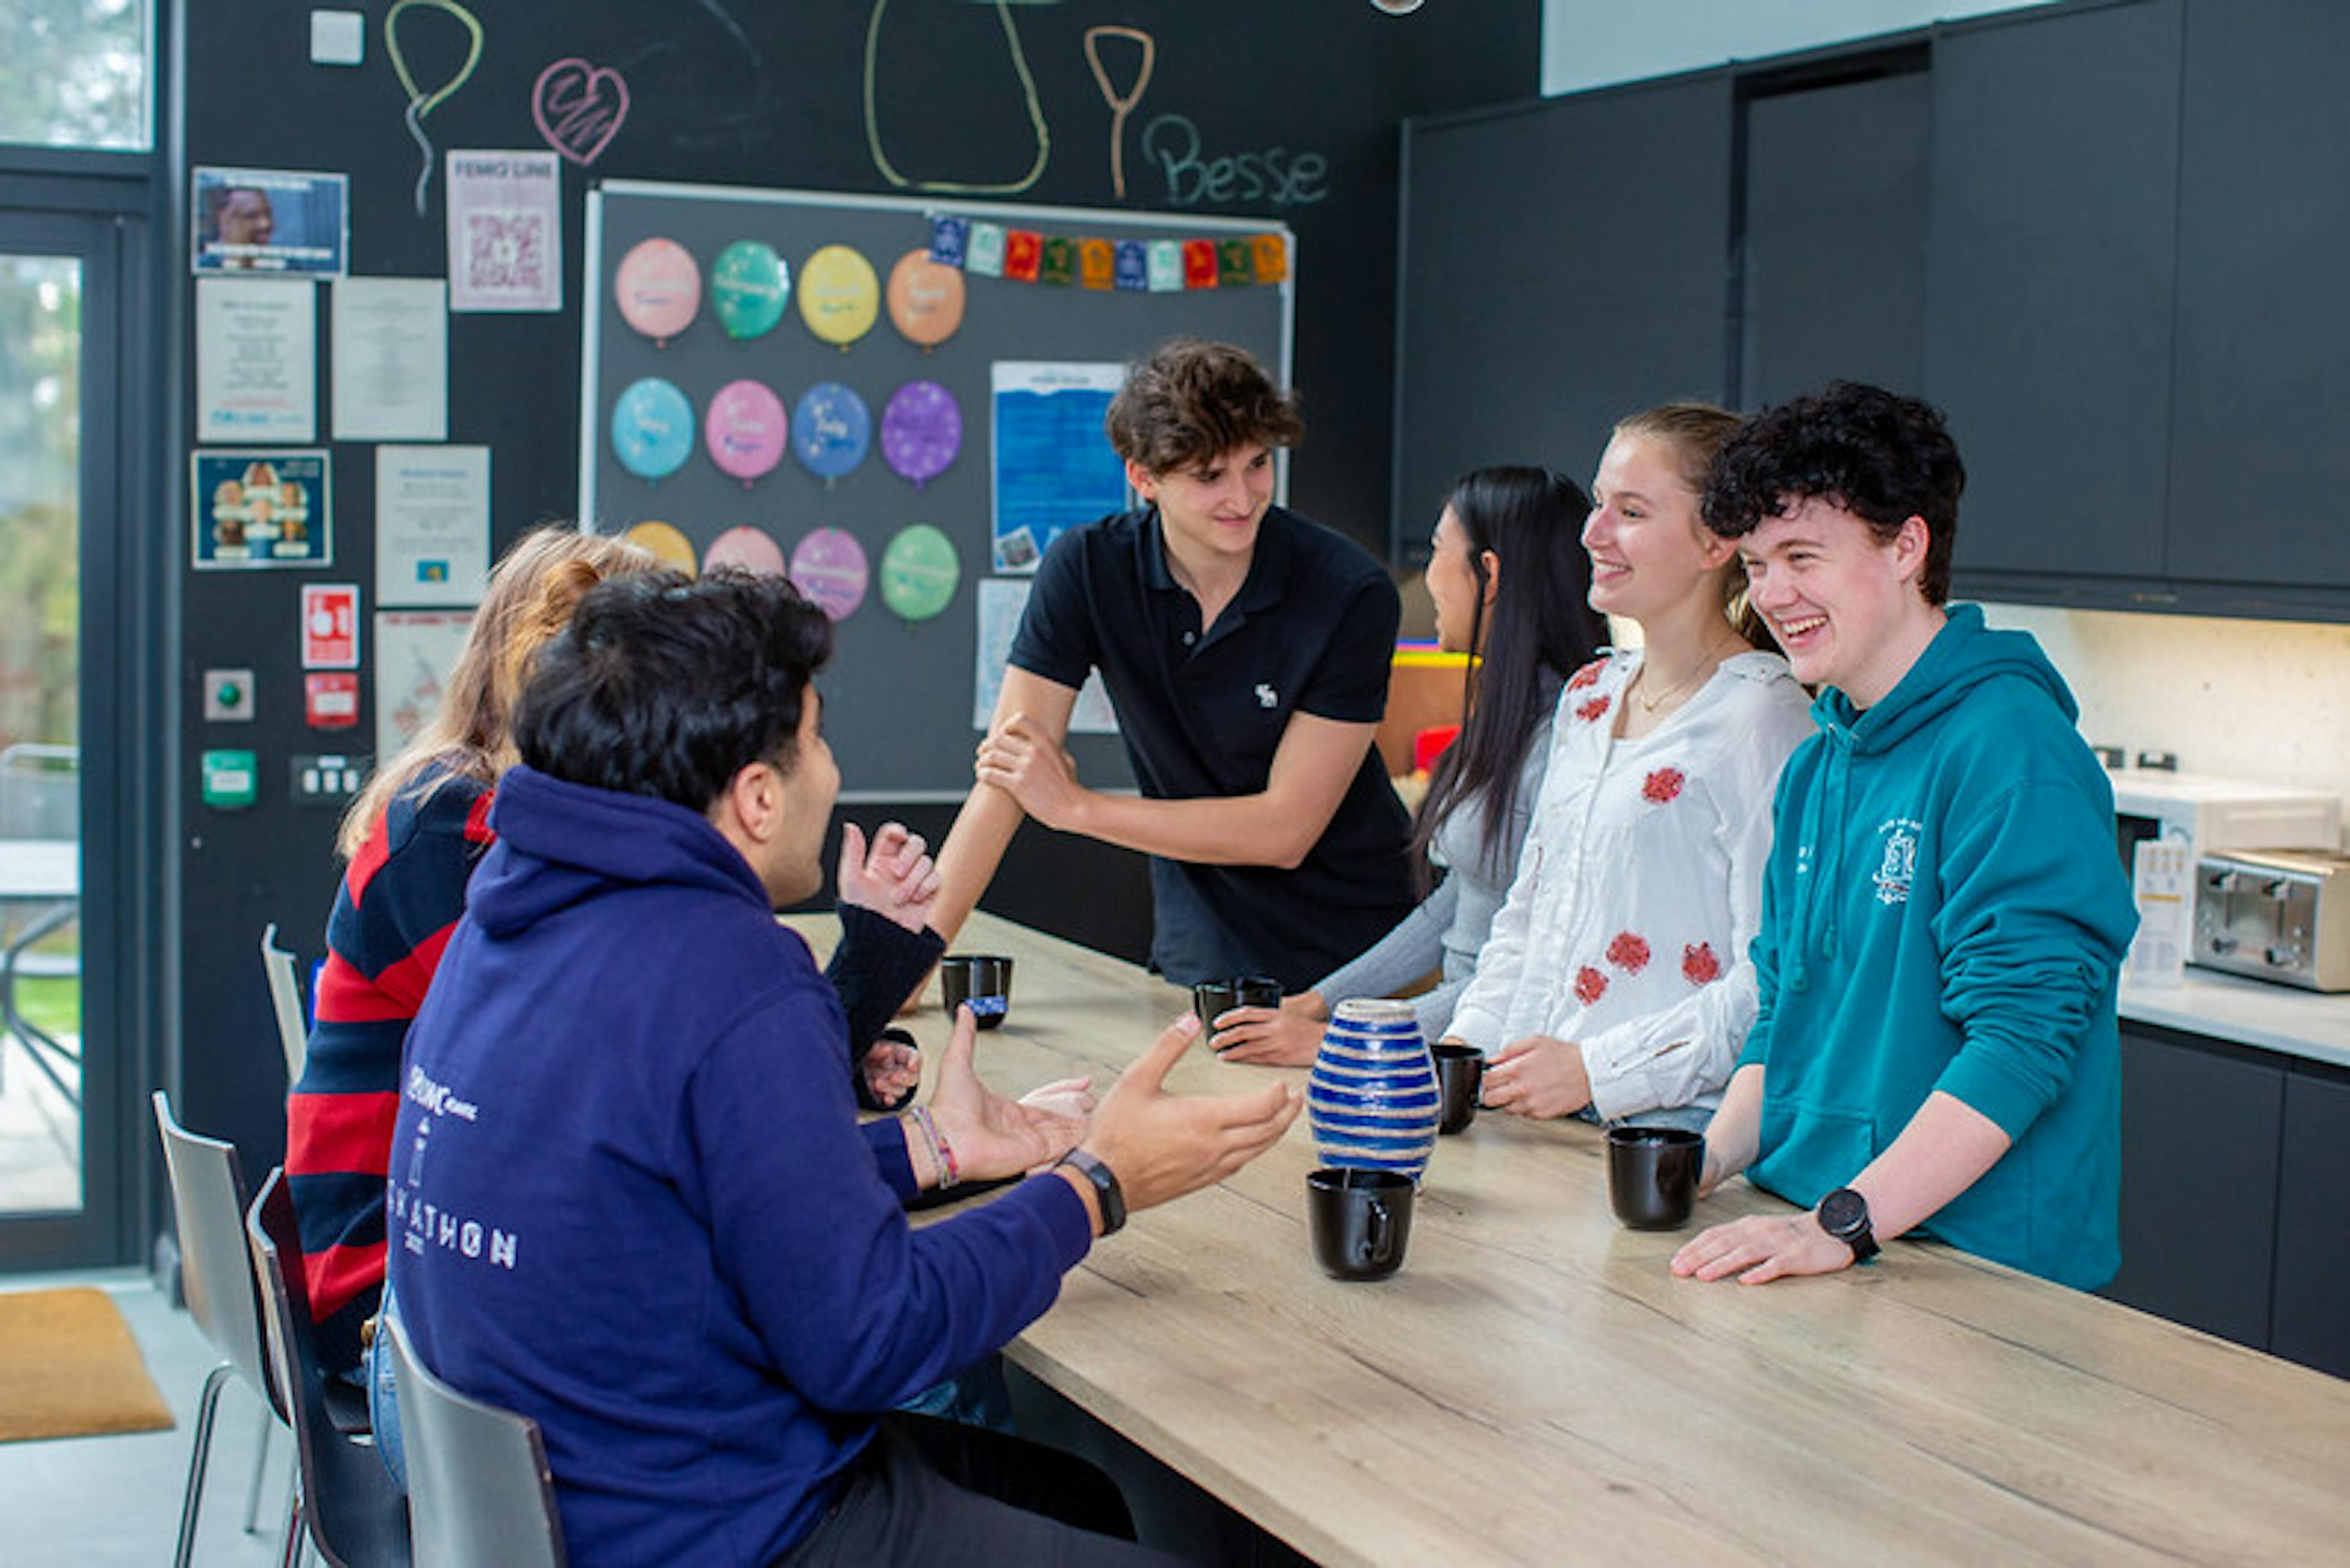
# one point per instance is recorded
(1881, 456)
(1192, 401)
(668, 686)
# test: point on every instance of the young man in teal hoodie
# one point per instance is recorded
(1943, 915)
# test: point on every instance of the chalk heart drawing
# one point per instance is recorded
(580, 108)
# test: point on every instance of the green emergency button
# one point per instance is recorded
(229, 780)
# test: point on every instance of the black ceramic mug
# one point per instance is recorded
(1361, 1220)
(1459, 1073)
(1212, 999)
(1652, 1175)
(982, 980)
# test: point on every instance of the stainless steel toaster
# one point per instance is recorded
(2275, 914)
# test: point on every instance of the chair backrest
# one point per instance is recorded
(356, 1516)
(285, 999)
(215, 1264)
(478, 1487)
(40, 790)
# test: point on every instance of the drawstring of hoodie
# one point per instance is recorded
(1822, 850)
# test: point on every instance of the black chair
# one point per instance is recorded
(349, 1506)
(478, 1490)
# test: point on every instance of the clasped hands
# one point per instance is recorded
(893, 878)
(1032, 767)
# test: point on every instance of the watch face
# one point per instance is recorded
(1843, 1211)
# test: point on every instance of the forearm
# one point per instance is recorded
(1258, 829)
(982, 830)
(1945, 1149)
(1732, 1137)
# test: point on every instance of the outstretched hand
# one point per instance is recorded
(993, 1136)
(1162, 1145)
(894, 878)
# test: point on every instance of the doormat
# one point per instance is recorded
(70, 1368)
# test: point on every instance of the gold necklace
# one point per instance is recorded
(1706, 665)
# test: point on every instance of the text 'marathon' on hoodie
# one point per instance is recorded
(1943, 911)
(629, 1197)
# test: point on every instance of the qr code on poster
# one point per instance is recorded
(506, 253)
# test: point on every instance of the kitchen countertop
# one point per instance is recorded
(2282, 1018)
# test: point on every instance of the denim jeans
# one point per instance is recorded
(383, 1397)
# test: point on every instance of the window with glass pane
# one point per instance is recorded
(40, 599)
(75, 73)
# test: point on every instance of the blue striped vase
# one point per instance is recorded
(1373, 1096)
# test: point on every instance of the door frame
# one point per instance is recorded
(101, 209)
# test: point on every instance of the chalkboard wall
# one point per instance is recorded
(1284, 112)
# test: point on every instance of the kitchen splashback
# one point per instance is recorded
(2267, 700)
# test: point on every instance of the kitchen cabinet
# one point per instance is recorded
(2053, 219)
(2201, 1126)
(2260, 400)
(1563, 266)
(2311, 1321)
(1833, 272)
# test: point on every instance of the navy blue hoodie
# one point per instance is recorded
(630, 1198)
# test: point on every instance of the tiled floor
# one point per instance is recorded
(114, 1503)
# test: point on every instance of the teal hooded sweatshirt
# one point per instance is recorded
(1943, 910)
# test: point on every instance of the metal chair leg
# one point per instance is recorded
(260, 1466)
(207, 1405)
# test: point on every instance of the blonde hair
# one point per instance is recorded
(1695, 433)
(527, 603)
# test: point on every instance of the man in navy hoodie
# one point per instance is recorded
(629, 1194)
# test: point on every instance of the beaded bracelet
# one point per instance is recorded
(942, 1158)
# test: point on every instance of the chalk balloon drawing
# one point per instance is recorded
(1120, 104)
(1041, 132)
(421, 101)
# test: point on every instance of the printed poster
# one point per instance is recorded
(431, 524)
(1001, 602)
(505, 231)
(256, 509)
(414, 652)
(392, 358)
(1053, 469)
(269, 220)
(256, 359)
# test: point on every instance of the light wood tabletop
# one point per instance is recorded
(1536, 1386)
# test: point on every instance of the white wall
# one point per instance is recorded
(2265, 701)
(1592, 42)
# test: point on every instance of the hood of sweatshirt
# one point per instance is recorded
(559, 843)
(1964, 656)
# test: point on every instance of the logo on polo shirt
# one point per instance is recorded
(1266, 697)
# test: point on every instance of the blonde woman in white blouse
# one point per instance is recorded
(1615, 982)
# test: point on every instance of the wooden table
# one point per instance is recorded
(1535, 1386)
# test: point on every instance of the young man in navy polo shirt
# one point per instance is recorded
(1246, 651)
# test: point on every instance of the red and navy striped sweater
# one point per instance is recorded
(400, 898)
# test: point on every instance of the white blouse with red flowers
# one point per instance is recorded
(1640, 886)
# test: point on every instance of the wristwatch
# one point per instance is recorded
(1105, 1187)
(1844, 1214)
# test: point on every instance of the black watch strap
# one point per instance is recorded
(1105, 1187)
(1844, 1214)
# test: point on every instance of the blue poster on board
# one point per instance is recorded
(1054, 468)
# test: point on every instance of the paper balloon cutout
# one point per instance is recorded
(658, 288)
(663, 544)
(746, 549)
(926, 298)
(653, 429)
(919, 572)
(743, 429)
(831, 429)
(921, 431)
(839, 296)
(830, 570)
(748, 286)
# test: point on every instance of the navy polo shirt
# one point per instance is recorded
(1202, 711)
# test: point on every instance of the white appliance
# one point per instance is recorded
(2218, 814)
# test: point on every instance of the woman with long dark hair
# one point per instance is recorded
(1511, 580)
